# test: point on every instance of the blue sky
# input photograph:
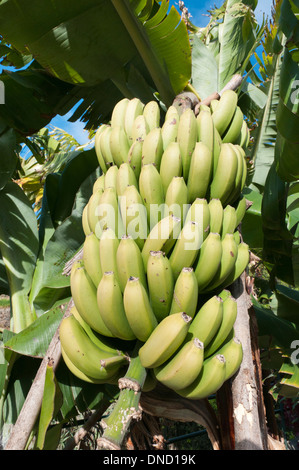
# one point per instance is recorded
(198, 9)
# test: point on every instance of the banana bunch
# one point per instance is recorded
(162, 245)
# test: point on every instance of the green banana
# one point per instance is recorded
(91, 217)
(216, 149)
(228, 319)
(135, 108)
(91, 258)
(243, 139)
(237, 189)
(241, 263)
(208, 381)
(207, 321)
(209, 260)
(152, 193)
(125, 177)
(138, 309)
(169, 131)
(152, 148)
(187, 138)
(140, 128)
(108, 213)
(171, 164)
(165, 340)
(224, 178)
(176, 198)
(162, 237)
(205, 128)
(227, 262)
(229, 223)
(185, 295)
(119, 145)
(186, 248)
(233, 131)
(233, 353)
(110, 177)
(111, 307)
(99, 184)
(213, 105)
(171, 113)
(160, 282)
(237, 237)
(200, 173)
(97, 146)
(216, 215)
(225, 110)
(85, 223)
(183, 368)
(84, 295)
(104, 143)
(241, 209)
(199, 212)
(119, 113)
(109, 244)
(129, 262)
(84, 354)
(134, 215)
(152, 115)
(135, 157)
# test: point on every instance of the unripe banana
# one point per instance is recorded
(216, 149)
(243, 136)
(241, 263)
(160, 284)
(99, 184)
(225, 110)
(135, 157)
(187, 138)
(170, 131)
(134, 109)
(227, 262)
(209, 380)
(108, 213)
(84, 354)
(205, 128)
(241, 209)
(110, 177)
(84, 295)
(224, 178)
(183, 368)
(119, 145)
(205, 107)
(237, 189)
(109, 244)
(213, 105)
(152, 193)
(228, 319)
(185, 295)
(129, 262)
(111, 307)
(85, 223)
(140, 128)
(162, 237)
(134, 215)
(237, 237)
(233, 131)
(186, 248)
(138, 309)
(216, 215)
(151, 113)
(171, 113)
(152, 148)
(200, 173)
(165, 340)
(104, 143)
(176, 198)
(125, 177)
(91, 216)
(171, 164)
(229, 223)
(97, 147)
(209, 260)
(199, 212)
(103, 342)
(207, 321)
(233, 353)
(91, 258)
(119, 113)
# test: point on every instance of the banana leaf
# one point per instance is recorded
(88, 42)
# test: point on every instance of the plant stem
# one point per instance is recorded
(126, 408)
